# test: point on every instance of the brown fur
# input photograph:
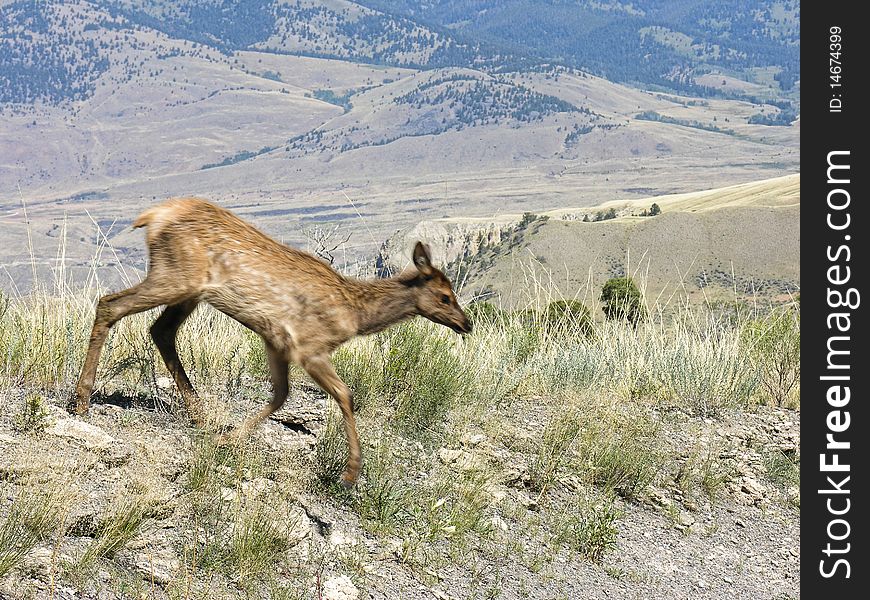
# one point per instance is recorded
(302, 308)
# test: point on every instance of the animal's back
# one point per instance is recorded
(200, 219)
(230, 264)
(182, 223)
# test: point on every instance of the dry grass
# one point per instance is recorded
(598, 392)
(34, 515)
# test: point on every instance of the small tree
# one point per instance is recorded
(774, 344)
(324, 242)
(621, 299)
(654, 210)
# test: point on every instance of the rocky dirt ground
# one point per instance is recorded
(742, 542)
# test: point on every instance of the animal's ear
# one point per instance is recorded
(422, 259)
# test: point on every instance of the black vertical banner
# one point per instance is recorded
(834, 417)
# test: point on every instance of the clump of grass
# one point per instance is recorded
(466, 505)
(705, 471)
(237, 530)
(589, 529)
(426, 378)
(43, 339)
(124, 523)
(619, 452)
(383, 496)
(257, 539)
(32, 517)
(553, 448)
(783, 468)
(330, 451)
(33, 417)
(412, 368)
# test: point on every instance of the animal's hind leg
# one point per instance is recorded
(278, 365)
(164, 332)
(111, 309)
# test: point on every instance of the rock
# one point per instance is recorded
(339, 588)
(158, 566)
(684, 519)
(496, 492)
(473, 439)
(257, 487)
(697, 528)
(38, 563)
(299, 526)
(164, 383)
(449, 455)
(498, 523)
(462, 460)
(337, 538)
(515, 475)
(752, 488)
(740, 523)
(90, 436)
(93, 438)
(524, 499)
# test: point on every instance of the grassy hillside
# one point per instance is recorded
(538, 456)
(736, 242)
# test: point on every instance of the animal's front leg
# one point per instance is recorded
(323, 373)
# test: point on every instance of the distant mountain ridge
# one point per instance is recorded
(649, 42)
(674, 45)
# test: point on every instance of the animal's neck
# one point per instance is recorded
(383, 302)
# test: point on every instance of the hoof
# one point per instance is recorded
(347, 483)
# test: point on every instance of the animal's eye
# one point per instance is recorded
(445, 299)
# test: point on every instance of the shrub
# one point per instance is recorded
(485, 313)
(34, 416)
(775, 349)
(411, 367)
(421, 375)
(621, 300)
(568, 318)
(706, 372)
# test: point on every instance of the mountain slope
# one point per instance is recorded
(123, 114)
(668, 44)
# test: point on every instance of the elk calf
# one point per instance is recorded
(299, 305)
